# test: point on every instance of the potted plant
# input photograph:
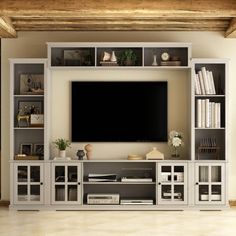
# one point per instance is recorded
(62, 144)
(128, 57)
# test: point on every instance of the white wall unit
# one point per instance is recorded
(175, 184)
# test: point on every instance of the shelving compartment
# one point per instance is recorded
(219, 72)
(28, 79)
(210, 144)
(104, 56)
(178, 56)
(72, 56)
(134, 180)
(209, 112)
(29, 142)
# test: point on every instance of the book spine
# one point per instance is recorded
(213, 106)
(210, 114)
(201, 82)
(213, 82)
(197, 84)
(199, 113)
(205, 80)
(209, 82)
(216, 115)
(207, 110)
(203, 115)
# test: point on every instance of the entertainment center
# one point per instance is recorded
(197, 180)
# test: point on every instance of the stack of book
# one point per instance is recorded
(102, 177)
(208, 114)
(204, 82)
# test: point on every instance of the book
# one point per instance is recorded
(207, 111)
(203, 113)
(199, 113)
(201, 82)
(197, 85)
(205, 80)
(212, 82)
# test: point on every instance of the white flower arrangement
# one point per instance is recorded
(176, 141)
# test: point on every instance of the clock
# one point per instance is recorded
(165, 56)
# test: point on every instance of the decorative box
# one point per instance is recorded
(36, 120)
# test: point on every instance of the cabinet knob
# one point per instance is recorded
(196, 183)
(41, 183)
(159, 183)
(78, 183)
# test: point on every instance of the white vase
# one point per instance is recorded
(62, 153)
(113, 57)
(154, 63)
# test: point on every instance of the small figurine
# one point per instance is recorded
(22, 116)
(88, 149)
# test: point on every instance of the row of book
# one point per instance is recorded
(208, 114)
(204, 82)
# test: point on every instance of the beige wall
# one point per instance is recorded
(205, 44)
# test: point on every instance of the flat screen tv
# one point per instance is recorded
(119, 111)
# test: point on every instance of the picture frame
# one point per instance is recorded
(30, 107)
(39, 149)
(31, 84)
(26, 148)
(72, 57)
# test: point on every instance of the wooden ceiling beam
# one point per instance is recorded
(140, 8)
(6, 28)
(184, 23)
(231, 31)
(119, 28)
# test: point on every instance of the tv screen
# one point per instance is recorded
(119, 111)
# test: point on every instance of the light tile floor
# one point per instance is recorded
(118, 223)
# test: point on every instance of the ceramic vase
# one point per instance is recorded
(154, 63)
(62, 153)
(113, 57)
(80, 154)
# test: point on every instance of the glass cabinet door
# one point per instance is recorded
(209, 183)
(172, 183)
(67, 186)
(29, 183)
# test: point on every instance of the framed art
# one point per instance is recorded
(38, 149)
(30, 107)
(26, 148)
(31, 84)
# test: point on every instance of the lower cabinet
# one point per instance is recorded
(138, 184)
(172, 183)
(66, 183)
(28, 183)
(210, 183)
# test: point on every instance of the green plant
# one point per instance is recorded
(62, 144)
(128, 55)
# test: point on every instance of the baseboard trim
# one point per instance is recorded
(4, 203)
(232, 203)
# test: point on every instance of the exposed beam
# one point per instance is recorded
(231, 31)
(6, 28)
(121, 24)
(140, 8)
